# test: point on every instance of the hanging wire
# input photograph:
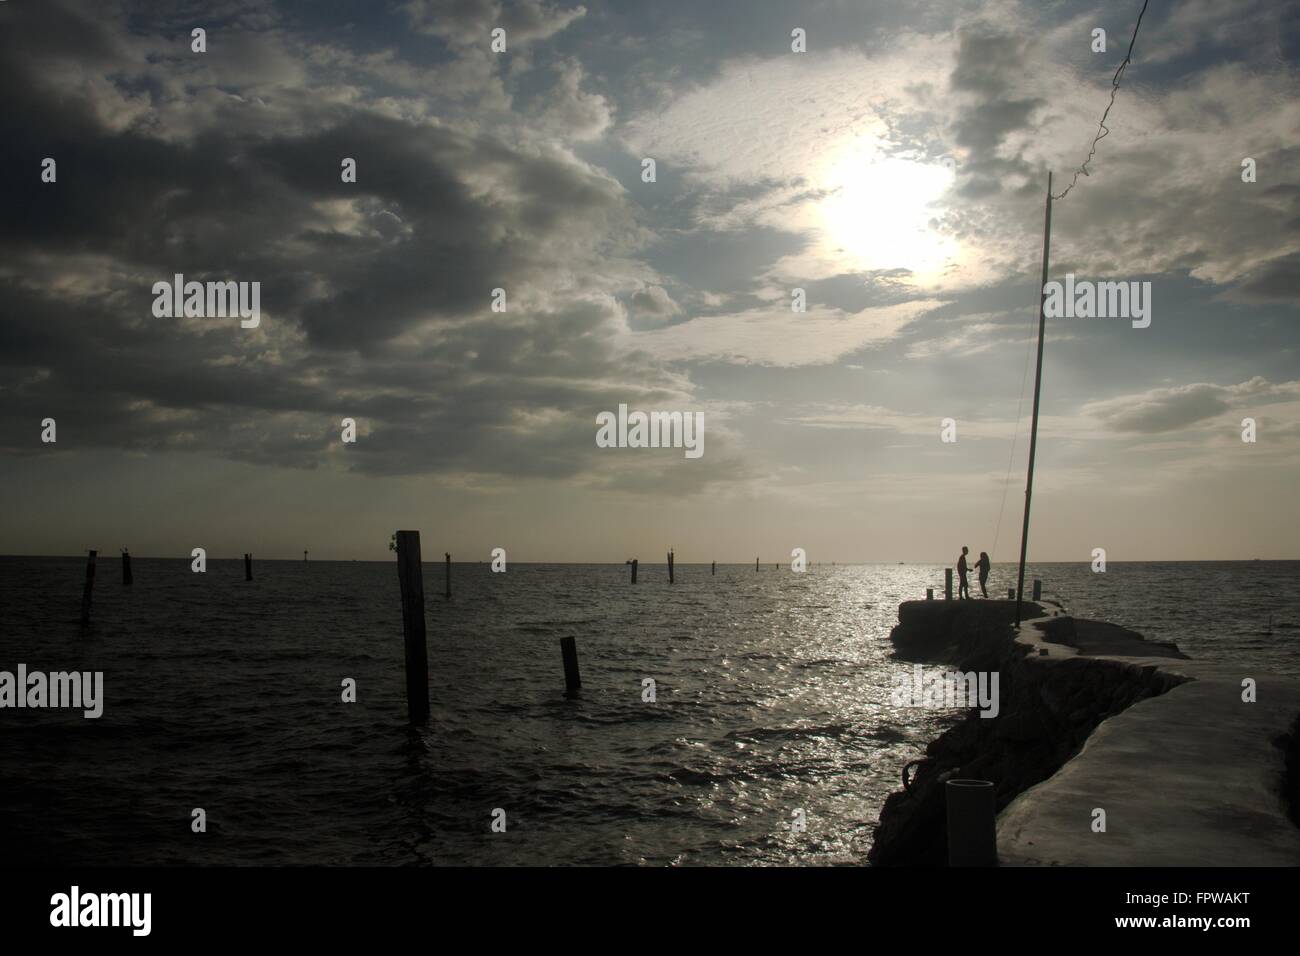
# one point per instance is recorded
(1102, 129)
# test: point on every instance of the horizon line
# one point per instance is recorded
(676, 562)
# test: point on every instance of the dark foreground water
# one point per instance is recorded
(772, 696)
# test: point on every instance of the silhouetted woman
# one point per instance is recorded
(982, 565)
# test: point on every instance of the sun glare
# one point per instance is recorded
(877, 212)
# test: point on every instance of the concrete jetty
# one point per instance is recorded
(1095, 717)
(1192, 777)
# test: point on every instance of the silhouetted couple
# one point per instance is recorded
(963, 582)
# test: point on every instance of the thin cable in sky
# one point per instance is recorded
(1102, 130)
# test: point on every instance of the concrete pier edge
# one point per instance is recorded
(1188, 775)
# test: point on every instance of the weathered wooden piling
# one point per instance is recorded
(572, 682)
(410, 576)
(714, 569)
(126, 568)
(632, 562)
(670, 566)
(947, 584)
(756, 565)
(89, 589)
(972, 830)
(248, 567)
(304, 557)
(929, 594)
(1011, 594)
(1038, 589)
(448, 556)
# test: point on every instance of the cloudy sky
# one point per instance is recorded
(895, 171)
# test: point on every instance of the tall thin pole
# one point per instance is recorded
(1038, 387)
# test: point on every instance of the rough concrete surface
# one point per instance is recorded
(1188, 778)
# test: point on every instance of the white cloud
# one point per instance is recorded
(470, 22)
(797, 134)
(572, 113)
(779, 337)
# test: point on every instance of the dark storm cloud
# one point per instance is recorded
(462, 244)
(1166, 411)
(440, 215)
(986, 125)
(986, 61)
(1169, 409)
(1276, 279)
(245, 207)
(988, 65)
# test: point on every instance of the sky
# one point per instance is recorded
(895, 171)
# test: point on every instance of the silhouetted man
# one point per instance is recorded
(963, 581)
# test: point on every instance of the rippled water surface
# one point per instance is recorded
(772, 695)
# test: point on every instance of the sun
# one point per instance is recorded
(877, 212)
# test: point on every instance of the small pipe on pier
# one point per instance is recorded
(972, 832)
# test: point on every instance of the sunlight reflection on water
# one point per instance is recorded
(772, 695)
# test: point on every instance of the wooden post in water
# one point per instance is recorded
(947, 584)
(756, 565)
(632, 561)
(714, 569)
(1038, 589)
(248, 567)
(572, 682)
(126, 568)
(929, 594)
(1011, 594)
(448, 556)
(304, 557)
(410, 576)
(670, 565)
(88, 591)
